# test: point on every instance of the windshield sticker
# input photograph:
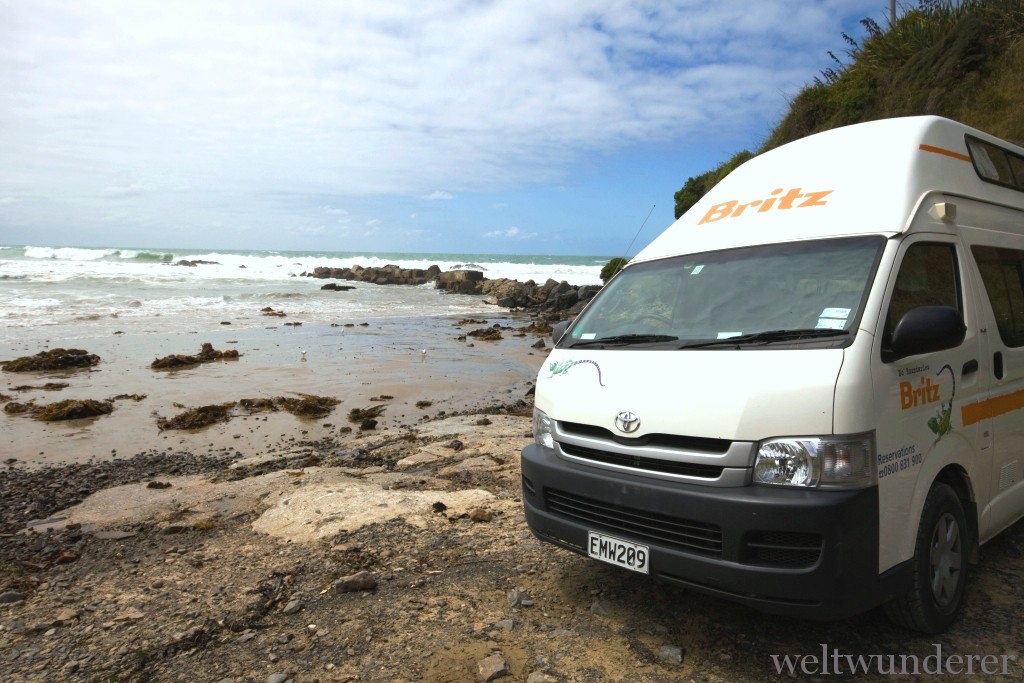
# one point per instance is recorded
(842, 313)
(832, 319)
(729, 335)
(696, 269)
(562, 367)
(588, 335)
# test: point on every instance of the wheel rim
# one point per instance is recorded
(945, 560)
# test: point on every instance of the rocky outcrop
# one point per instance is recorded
(460, 281)
(383, 275)
(551, 300)
(552, 297)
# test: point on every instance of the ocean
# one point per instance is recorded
(408, 348)
(97, 289)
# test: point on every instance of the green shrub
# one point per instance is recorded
(612, 267)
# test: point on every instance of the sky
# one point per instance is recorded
(558, 127)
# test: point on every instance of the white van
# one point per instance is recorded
(807, 394)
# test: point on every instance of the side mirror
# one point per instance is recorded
(558, 330)
(926, 329)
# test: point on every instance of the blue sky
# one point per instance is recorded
(499, 126)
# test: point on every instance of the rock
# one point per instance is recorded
(516, 598)
(540, 677)
(670, 654)
(8, 597)
(492, 668)
(293, 607)
(481, 515)
(361, 581)
(460, 281)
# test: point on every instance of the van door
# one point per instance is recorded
(918, 397)
(999, 259)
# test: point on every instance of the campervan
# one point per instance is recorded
(807, 394)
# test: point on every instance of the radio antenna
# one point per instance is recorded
(638, 231)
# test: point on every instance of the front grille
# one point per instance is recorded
(683, 534)
(667, 441)
(790, 549)
(642, 463)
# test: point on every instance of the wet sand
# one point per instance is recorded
(360, 365)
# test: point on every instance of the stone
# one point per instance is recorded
(493, 667)
(481, 515)
(670, 654)
(361, 581)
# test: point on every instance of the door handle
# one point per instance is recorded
(970, 366)
(997, 364)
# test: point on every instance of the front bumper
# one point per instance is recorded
(803, 553)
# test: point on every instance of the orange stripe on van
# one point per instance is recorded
(945, 152)
(992, 407)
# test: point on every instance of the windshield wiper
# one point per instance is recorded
(625, 340)
(768, 337)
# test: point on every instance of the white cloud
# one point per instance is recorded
(512, 233)
(212, 107)
(122, 191)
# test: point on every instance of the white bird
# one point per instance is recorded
(423, 355)
(303, 352)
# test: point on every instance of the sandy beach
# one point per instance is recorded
(391, 363)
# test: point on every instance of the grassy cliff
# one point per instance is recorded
(962, 60)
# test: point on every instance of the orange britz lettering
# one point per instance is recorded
(777, 200)
(923, 394)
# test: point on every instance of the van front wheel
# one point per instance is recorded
(940, 566)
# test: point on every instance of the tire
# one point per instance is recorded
(939, 578)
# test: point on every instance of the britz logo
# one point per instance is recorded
(777, 200)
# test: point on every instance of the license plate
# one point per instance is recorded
(632, 556)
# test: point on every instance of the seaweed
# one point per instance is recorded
(206, 354)
(258, 405)
(195, 418)
(363, 414)
(308, 405)
(487, 334)
(54, 359)
(73, 409)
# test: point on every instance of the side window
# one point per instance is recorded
(927, 277)
(1002, 271)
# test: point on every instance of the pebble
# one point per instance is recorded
(670, 654)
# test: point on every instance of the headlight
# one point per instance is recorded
(831, 462)
(542, 429)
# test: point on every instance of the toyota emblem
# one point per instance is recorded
(627, 422)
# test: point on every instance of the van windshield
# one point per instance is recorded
(767, 295)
